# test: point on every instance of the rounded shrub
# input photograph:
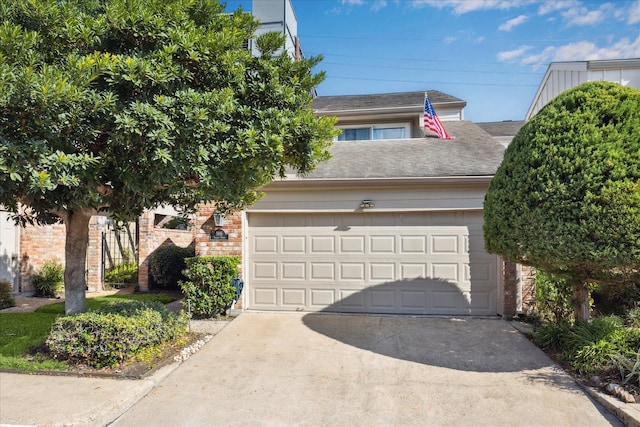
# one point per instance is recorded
(209, 291)
(166, 265)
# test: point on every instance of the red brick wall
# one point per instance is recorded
(39, 244)
(528, 280)
(204, 225)
(510, 289)
(151, 238)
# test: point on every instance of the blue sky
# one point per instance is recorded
(490, 53)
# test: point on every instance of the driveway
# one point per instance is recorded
(340, 370)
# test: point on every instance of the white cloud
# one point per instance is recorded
(379, 4)
(511, 23)
(465, 6)
(552, 6)
(634, 13)
(449, 40)
(585, 51)
(513, 54)
(352, 2)
(583, 16)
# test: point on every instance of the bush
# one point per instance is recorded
(112, 334)
(553, 298)
(122, 273)
(49, 279)
(6, 294)
(166, 265)
(209, 291)
(616, 298)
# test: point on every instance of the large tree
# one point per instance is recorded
(117, 106)
(567, 195)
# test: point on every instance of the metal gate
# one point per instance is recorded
(120, 254)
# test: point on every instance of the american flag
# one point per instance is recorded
(432, 121)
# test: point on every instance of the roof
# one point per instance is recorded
(473, 152)
(504, 128)
(398, 100)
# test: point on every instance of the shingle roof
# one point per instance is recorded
(504, 128)
(472, 153)
(326, 104)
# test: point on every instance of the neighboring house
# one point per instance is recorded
(561, 76)
(504, 131)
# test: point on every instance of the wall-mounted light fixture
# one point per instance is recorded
(218, 219)
(365, 204)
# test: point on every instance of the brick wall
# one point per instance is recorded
(528, 280)
(39, 244)
(151, 238)
(204, 225)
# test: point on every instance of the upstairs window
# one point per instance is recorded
(368, 132)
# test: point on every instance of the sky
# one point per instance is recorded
(492, 54)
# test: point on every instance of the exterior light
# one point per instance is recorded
(218, 219)
(365, 204)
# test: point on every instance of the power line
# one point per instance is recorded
(332, 77)
(395, 67)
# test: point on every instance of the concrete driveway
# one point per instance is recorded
(340, 370)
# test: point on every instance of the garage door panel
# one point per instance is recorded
(323, 271)
(413, 271)
(416, 244)
(265, 244)
(265, 297)
(294, 298)
(293, 270)
(445, 271)
(293, 244)
(352, 271)
(265, 270)
(382, 245)
(445, 245)
(372, 263)
(322, 245)
(320, 298)
(382, 271)
(352, 244)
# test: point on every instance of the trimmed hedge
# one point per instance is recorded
(209, 291)
(110, 335)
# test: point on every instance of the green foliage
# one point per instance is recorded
(167, 263)
(110, 335)
(616, 298)
(90, 86)
(553, 298)
(590, 348)
(122, 273)
(209, 291)
(628, 366)
(566, 197)
(119, 106)
(6, 294)
(49, 279)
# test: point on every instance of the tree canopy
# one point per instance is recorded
(121, 105)
(566, 197)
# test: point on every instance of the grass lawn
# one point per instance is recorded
(22, 333)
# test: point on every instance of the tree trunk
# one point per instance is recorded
(581, 300)
(75, 252)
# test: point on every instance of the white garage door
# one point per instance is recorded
(8, 252)
(409, 263)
